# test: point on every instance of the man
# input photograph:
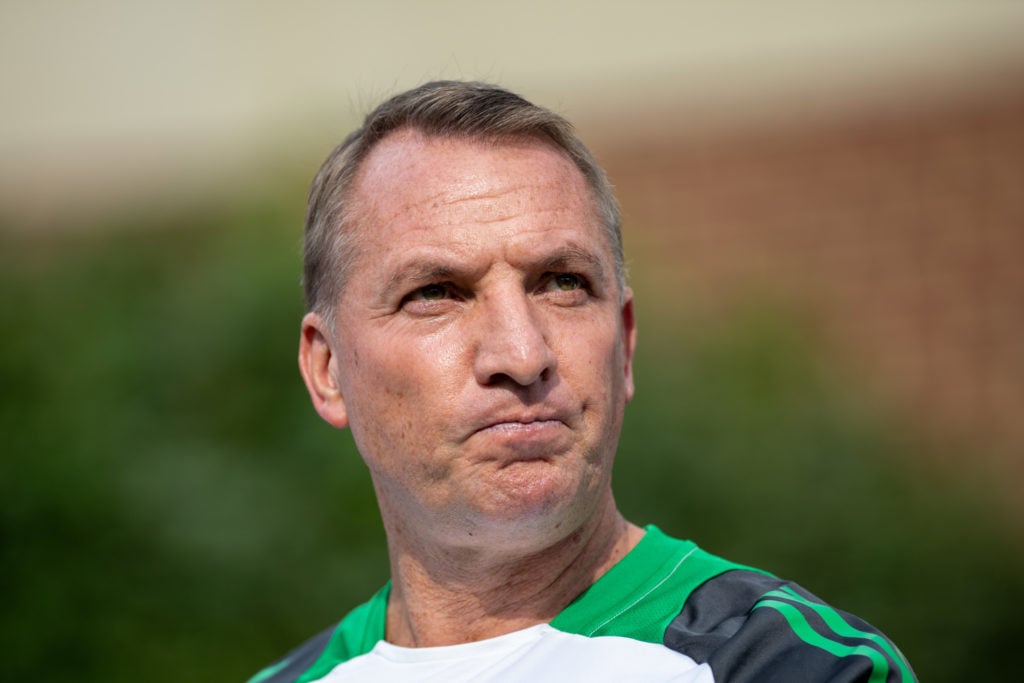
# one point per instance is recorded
(469, 322)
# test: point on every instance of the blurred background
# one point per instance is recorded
(824, 214)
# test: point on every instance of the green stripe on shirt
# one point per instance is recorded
(803, 629)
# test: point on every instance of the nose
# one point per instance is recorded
(512, 344)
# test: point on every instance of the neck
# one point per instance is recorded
(451, 596)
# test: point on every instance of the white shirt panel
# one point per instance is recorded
(539, 654)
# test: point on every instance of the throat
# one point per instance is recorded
(431, 605)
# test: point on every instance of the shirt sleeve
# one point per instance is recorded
(289, 668)
(752, 627)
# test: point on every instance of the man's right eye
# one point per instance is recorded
(431, 292)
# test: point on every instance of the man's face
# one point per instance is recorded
(482, 350)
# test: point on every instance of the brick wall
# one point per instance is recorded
(902, 232)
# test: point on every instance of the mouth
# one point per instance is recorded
(522, 429)
(516, 438)
(522, 423)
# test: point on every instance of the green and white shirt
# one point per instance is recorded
(668, 611)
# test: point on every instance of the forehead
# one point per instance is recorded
(427, 183)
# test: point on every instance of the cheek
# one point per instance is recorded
(382, 387)
(596, 358)
(398, 388)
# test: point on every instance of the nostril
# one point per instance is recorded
(501, 369)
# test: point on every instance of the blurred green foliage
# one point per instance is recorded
(171, 507)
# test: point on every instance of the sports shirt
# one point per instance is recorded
(668, 611)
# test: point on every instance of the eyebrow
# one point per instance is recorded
(567, 258)
(573, 257)
(422, 271)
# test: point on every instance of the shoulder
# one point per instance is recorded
(750, 626)
(639, 596)
(354, 635)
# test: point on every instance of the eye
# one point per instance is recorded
(567, 282)
(433, 292)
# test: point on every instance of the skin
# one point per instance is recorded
(482, 357)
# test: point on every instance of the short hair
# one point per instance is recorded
(442, 109)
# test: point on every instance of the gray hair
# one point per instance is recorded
(442, 109)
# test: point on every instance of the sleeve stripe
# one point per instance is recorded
(803, 629)
(269, 671)
(842, 628)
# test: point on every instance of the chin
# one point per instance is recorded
(536, 512)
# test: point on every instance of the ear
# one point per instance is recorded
(629, 341)
(318, 362)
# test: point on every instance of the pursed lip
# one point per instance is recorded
(523, 420)
(522, 433)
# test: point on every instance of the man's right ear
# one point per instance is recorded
(318, 365)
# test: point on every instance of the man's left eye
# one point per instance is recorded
(432, 292)
(567, 282)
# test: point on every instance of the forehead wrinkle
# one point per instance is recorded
(479, 207)
(370, 210)
(483, 193)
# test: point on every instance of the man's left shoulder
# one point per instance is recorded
(749, 625)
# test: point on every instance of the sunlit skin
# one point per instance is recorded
(482, 357)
